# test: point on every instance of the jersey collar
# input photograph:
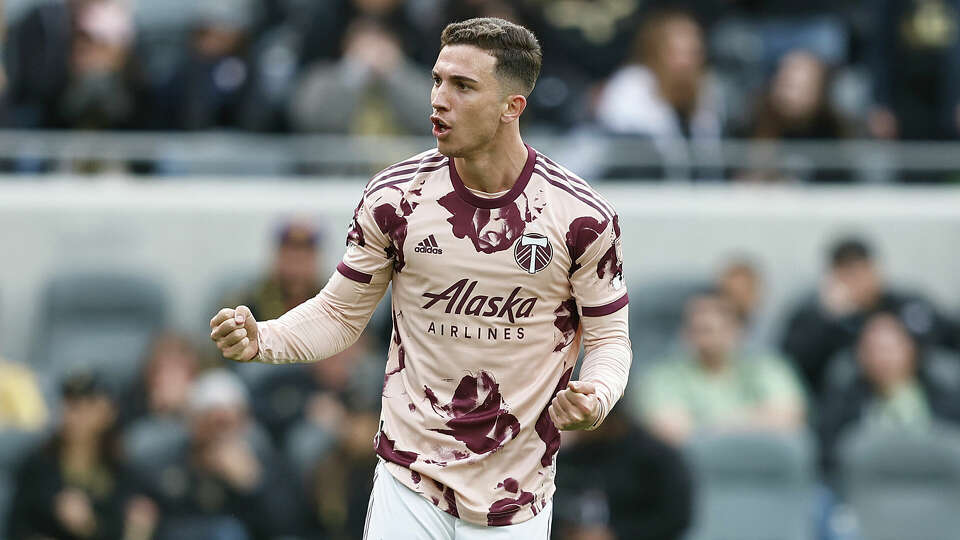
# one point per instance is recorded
(503, 200)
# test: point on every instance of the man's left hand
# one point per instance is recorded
(575, 407)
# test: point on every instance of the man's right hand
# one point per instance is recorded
(235, 333)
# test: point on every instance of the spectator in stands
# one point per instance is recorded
(794, 106)
(76, 486)
(228, 480)
(326, 414)
(641, 489)
(99, 94)
(916, 70)
(377, 89)
(172, 365)
(588, 41)
(665, 92)
(852, 289)
(890, 390)
(741, 283)
(413, 23)
(294, 276)
(70, 66)
(718, 386)
(322, 393)
(22, 406)
(213, 85)
(339, 480)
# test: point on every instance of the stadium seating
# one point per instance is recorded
(98, 321)
(14, 444)
(903, 485)
(6, 493)
(752, 486)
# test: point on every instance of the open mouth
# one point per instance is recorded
(440, 128)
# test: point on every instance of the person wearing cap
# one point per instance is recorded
(69, 66)
(293, 277)
(853, 289)
(226, 480)
(76, 485)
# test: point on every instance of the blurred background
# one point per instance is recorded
(786, 177)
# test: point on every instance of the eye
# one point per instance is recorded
(436, 81)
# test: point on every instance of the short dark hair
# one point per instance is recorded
(516, 49)
(849, 250)
(714, 297)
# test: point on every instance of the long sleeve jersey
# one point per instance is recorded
(492, 298)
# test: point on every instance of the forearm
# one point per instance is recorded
(322, 326)
(607, 358)
(607, 365)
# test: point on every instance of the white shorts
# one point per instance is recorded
(396, 512)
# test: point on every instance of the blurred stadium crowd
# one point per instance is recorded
(681, 74)
(737, 423)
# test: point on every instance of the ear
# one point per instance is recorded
(513, 108)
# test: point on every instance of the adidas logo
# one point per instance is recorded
(428, 245)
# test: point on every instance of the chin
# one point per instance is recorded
(448, 150)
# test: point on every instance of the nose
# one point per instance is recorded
(438, 99)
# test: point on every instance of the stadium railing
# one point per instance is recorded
(593, 155)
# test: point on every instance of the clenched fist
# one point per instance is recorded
(575, 407)
(235, 333)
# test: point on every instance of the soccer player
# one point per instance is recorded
(502, 262)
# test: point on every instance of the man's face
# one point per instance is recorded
(296, 268)
(217, 424)
(468, 100)
(862, 281)
(712, 329)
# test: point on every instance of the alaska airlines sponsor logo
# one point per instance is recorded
(460, 299)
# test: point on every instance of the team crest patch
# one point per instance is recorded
(533, 252)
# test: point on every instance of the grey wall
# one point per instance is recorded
(199, 235)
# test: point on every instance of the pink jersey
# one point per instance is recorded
(492, 298)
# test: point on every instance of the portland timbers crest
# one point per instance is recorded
(533, 252)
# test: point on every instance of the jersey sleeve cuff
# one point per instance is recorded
(352, 274)
(606, 309)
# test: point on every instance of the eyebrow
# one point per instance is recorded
(458, 78)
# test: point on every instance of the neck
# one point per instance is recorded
(496, 167)
(714, 364)
(80, 452)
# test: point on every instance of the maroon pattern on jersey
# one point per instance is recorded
(490, 230)
(610, 262)
(502, 511)
(483, 426)
(386, 448)
(393, 225)
(567, 321)
(547, 431)
(355, 232)
(400, 352)
(583, 232)
(451, 498)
